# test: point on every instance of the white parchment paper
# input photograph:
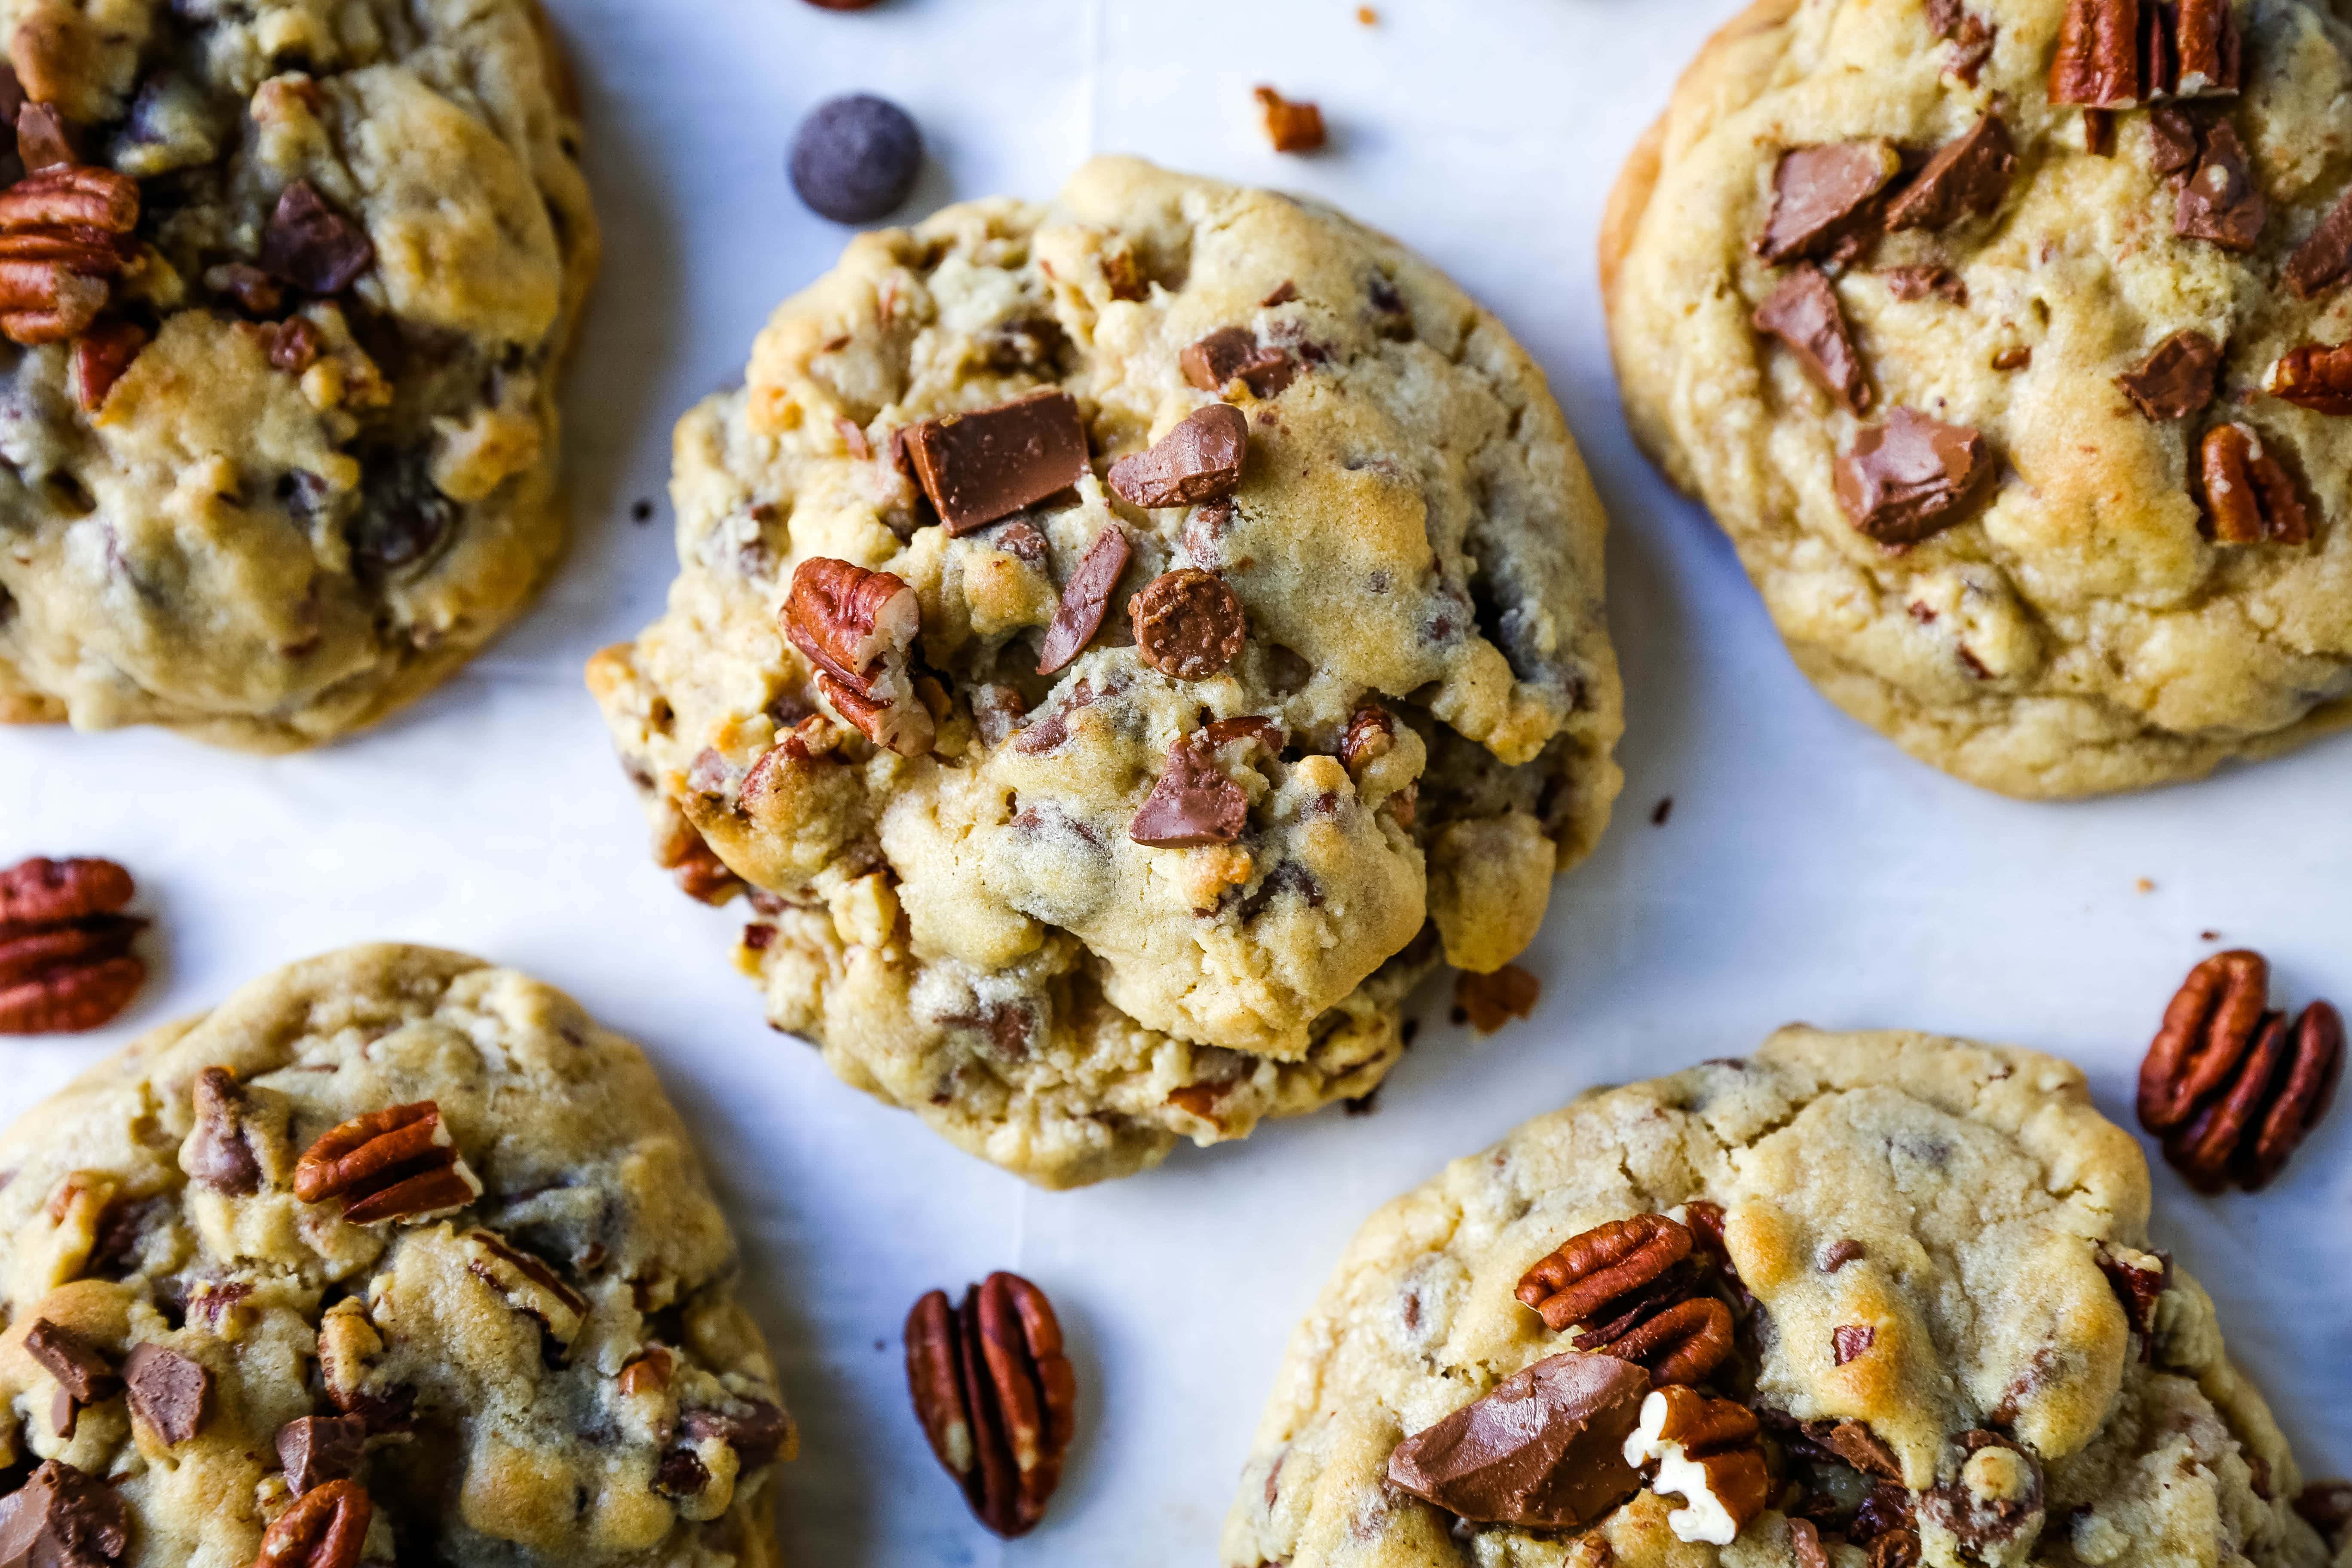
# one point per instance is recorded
(1808, 871)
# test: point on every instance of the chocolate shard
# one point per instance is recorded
(980, 467)
(1084, 599)
(1968, 177)
(1819, 193)
(1546, 1448)
(2177, 377)
(61, 1518)
(1192, 804)
(1199, 461)
(2325, 257)
(168, 1391)
(1803, 313)
(2221, 202)
(1912, 477)
(1232, 353)
(319, 1449)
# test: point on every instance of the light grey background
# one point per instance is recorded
(1808, 871)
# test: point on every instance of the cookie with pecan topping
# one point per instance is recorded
(283, 291)
(2073, 520)
(1949, 1344)
(1033, 587)
(393, 1254)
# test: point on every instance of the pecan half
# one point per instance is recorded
(2097, 64)
(858, 628)
(1628, 1287)
(2317, 376)
(396, 1164)
(1595, 1268)
(1710, 1452)
(64, 236)
(2247, 494)
(66, 962)
(326, 1527)
(2227, 1085)
(997, 1398)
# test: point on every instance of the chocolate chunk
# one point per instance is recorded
(1546, 1448)
(168, 1391)
(1188, 624)
(754, 1429)
(218, 1156)
(1915, 283)
(2177, 377)
(42, 141)
(402, 520)
(680, 1474)
(1234, 352)
(1819, 192)
(1848, 1341)
(73, 1361)
(1968, 177)
(1858, 1445)
(977, 468)
(1083, 597)
(317, 1448)
(61, 1518)
(2325, 257)
(1192, 804)
(1018, 538)
(1803, 313)
(2220, 201)
(1199, 461)
(2172, 139)
(1911, 476)
(856, 158)
(309, 244)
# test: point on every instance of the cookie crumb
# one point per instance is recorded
(641, 512)
(1367, 16)
(1364, 1104)
(1487, 1002)
(1293, 126)
(1662, 810)
(2143, 886)
(1411, 1027)
(2208, 936)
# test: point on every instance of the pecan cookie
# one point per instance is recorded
(393, 1256)
(2003, 339)
(1881, 1297)
(283, 286)
(1123, 647)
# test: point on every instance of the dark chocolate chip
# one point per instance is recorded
(73, 1361)
(1188, 624)
(2221, 202)
(1192, 804)
(754, 1429)
(218, 1156)
(61, 1518)
(1819, 192)
(402, 520)
(1968, 177)
(2325, 257)
(168, 1391)
(1911, 476)
(989, 464)
(2177, 377)
(856, 158)
(1199, 461)
(316, 1449)
(1546, 1448)
(309, 244)
(1234, 352)
(1084, 599)
(1803, 313)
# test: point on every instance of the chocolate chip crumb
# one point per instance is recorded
(1662, 810)
(643, 511)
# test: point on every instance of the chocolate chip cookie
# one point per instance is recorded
(1122, 646)
(282, 293)
(393, 1256)
(1875, 1297)
(2005, 339)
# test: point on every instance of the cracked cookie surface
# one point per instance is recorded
(1925, 1231)
(2082, 621)
(289, 457)
(1327, 690)
(533, 1354)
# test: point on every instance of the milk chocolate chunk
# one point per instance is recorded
(977, 468)
(218, 1155)
(79, 1370)
(1084, 598)
(1189, 624)
(1199, 461)
(1915, 283)
(2221, 202)
(2176, 379)
(1803, 313)
(1232, 353)
(1912, 477)
(1968, 177)
(168, 1391)
(2172, 139)
(1819, 193)
(61, 1518)
(319, 1449)
(2325, 257)
(1193, 804)
(1546, 1448)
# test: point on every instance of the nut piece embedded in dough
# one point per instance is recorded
(395, 1164)
(858, 628)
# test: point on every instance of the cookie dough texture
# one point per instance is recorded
(971, 934)
(261, 558)
(2078, 634)
(525, 1446)
(1980, 1184)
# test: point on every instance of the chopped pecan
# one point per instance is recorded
(1371, 735)
(326, 1527)
(2227, 1085)
(1710, 1452)
(1292, 125)
(2247, 494)
(2317, 376)
(64, 236)
(1679, 1344)
(525, 1284)
(757, 1430)
(1487, 1002)
(2206, 53)
(648, 1372)
(858, 628)
(2097, 65)
(996, 1396)
(66, 962)
(1850, 1342)
(395, 1164)
(100, 356)
(1593, 1269)
(2139, 1280)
